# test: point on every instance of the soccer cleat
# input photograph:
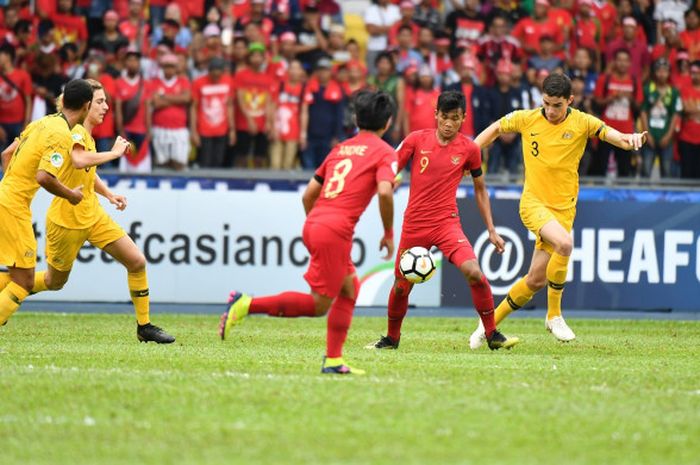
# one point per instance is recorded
(478, 337)
(559, 329)
(500, 341)
(238, 305)
(337, 366)
(149, 332)
(384, 342)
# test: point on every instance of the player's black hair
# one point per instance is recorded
(373, 109)
(76, 94)
(451, 100)
(557, 85)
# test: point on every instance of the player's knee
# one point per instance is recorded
(54, 283)
(136, 264)
(402, 287)
(565, 247)
(353, 290)
(535, 282)
(472, 273)
(321, 308)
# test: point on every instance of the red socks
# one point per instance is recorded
(398, 306)
(285, 305)
(483, 303)
(339, 319)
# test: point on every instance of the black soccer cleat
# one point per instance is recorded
(384, 342)
(149, 332)
(499, 341)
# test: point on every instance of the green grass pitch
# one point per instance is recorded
(79, 389)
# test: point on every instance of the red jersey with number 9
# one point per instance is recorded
(435, 174)
(350, 174)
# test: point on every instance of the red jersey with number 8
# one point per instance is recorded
(436, 172)
(350, 174)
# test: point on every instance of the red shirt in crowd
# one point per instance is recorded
(619, 114)
(690, 128)
(172, 116)
(211, 100)
(70, 28)
(257, 88)
(468, 124)
(421, 109)
(436, 172)
(106, 129)
(691, 42)
(607, 15)
(351, 172)
(128, 89)
(289, 103)
(12, 102)
(528, 32)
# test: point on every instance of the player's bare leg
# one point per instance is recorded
(560, 239)
(128, 254)
(397, 308)
(14, 293)
(483, 304)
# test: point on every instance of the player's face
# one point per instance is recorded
(555, 107)
(449, 123)
(98, 107)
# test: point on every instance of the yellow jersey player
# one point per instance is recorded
(43, 147)
(554, 137)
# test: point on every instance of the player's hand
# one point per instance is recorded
(232, 137)
(118, 201)
(196, 141)
(121, 146)
(637, 139)
(76, 195)
(388, 244)
(497, 241)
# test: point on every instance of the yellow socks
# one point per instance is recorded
(39, 283)
(10, 299)
(138, 287)
(557, 268)
(519, 295)
(4, 279)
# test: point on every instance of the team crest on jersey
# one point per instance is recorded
(56, 160)
(456, 160)
(567, 135)
(77, 137)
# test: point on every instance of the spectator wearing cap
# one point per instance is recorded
(405, 53)
(466, 25)
(256, 16)
(639, 51)
(168, 105)
(255, 109)
(379, 17)
(618, 96)
(690, 38)
(626, 8)
(312, 41)
(69, 26)
(110, 39)
(130, 102)
(135, 28)
(15, 96)
(212, 46)
(421, 102)
(689, 136)
(497, 45)
(406, 9)
(427, 15)
(587, 32)
(291, 118)
(212, 125)
(504, 155)
(670, 46)
(285, 55)
(477, 114)
(387, 80)
(681, 78)
(336, 45)
(660, 116)
(325, 115)
(529, 29)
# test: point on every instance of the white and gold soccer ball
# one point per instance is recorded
(417, 265)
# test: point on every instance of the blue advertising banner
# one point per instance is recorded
(628, 254)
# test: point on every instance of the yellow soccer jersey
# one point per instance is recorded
(83, 215)
(552, 152)
(44, 145)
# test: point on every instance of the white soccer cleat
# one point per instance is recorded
(478, 337)
(559, 329)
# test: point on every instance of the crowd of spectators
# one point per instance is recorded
(269, 83)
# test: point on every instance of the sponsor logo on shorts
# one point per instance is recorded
(56, 160)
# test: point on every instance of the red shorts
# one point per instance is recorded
(448, 237)
(330, 260)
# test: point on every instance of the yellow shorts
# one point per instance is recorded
(17, 241)
(63, 244)
(534, 215)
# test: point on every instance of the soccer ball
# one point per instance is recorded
(417, 265)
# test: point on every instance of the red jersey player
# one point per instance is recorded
(334, 199)
(440, 159)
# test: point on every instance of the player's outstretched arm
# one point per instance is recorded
(481, 194)
(385, 194)
(54, 186)
(101, 188)
(313, 190)
(81, 158)
(7, 153)
(632, 141)
(488, 135)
